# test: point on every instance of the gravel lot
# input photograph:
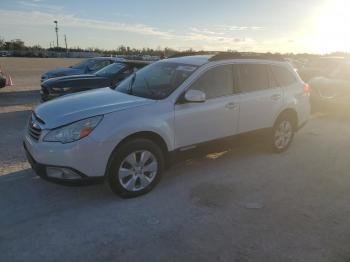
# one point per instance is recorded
(241, 204)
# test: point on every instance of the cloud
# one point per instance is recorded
(36, 18)
(205, 31)
(240, 28)
(213, 38)
(217, 40)
(39, 5)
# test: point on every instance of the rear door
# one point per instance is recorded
(261, 97)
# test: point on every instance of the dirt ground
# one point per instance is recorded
(26, 72)
(239, 204)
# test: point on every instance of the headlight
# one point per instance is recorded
(74, 131)
(60, 89)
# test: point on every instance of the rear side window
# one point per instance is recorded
(216, 82)
(283, 76)
(253, 77)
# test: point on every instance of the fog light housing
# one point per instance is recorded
(62, 173)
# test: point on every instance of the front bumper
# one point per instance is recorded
(89, 155)
(41, 170)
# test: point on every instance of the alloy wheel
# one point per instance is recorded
(138, 170)
(283, 134)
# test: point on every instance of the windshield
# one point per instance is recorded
(110, 70)
(156, 81)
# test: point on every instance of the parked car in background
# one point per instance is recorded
(4, 53)
(333, 90)
(126, 135)
(321, 66)
(108, 76)
(88, 66)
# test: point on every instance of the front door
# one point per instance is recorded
(215, 118)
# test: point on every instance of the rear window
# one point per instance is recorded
(283, 76)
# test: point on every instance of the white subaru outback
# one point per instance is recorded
(126, 134)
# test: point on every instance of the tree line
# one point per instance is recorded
(19, 45)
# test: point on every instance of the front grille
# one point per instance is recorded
(34, 129)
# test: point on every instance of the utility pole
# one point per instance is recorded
(65, 40)
(56, 29)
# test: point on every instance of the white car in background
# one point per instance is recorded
(127, 134)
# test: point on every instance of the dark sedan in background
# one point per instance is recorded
(332, 91)
(108, 76)
(320, 66)
(88, 66)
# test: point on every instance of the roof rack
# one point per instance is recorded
(182, 54)
(238, 55)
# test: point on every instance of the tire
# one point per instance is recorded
(282, 133)
(135, 168)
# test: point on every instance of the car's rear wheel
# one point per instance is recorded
(135, 168)
(282, 134)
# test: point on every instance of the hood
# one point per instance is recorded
(63, 71)
(71, 78)
(71, 108)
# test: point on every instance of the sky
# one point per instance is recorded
(314, 26)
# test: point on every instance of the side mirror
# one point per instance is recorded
(195, 96)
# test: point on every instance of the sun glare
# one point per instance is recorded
(331, 29)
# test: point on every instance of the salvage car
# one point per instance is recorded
(332, 92)
(87, 66)
(108, 76)
(127, 135)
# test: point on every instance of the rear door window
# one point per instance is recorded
(253, 77)
(283, 76)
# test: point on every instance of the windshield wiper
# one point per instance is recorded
(132, 81)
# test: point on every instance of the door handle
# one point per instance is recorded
(276, 97)
(232, 106)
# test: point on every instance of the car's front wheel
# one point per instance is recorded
(136, 167)
(282, 134)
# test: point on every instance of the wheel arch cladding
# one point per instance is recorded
(152, 136)
(290, 113)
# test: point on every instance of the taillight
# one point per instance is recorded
(307, 89)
